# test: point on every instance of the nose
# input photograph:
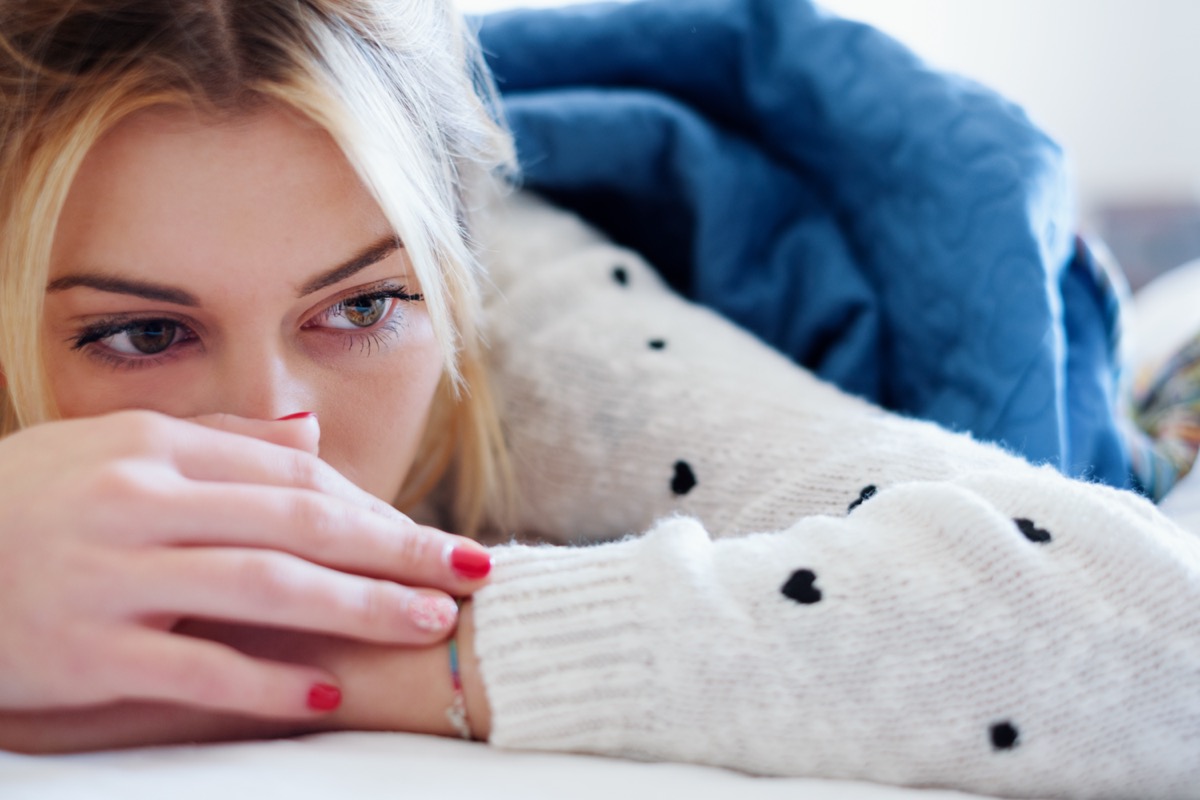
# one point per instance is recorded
(262, 383)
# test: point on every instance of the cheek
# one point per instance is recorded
(371, 427)
(78, 389)
(81, 387)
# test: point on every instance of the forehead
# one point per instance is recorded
(170, 188)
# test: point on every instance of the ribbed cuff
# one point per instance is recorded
(567, 646)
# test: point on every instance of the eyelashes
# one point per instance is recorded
(365, 320)
(356, 307)
(119, 325)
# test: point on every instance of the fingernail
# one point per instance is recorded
(297, 415)
(432, 613)
(324, 697)
(472, 563)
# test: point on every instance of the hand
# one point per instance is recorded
(114, 528)
(387, 688)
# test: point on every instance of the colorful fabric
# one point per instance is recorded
(1167, 439)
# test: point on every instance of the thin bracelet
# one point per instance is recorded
(457, 712)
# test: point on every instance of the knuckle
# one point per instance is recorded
(121, 482)
(304, 470)
(125, 500)
(422, 546)
(388, 511)
(378, 608)
(141, 431)
(221, 420)
(408, 547)
(265, 579)
(318, 521)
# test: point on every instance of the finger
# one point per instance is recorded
(149, 665)
(264, 588)
(206, 453)
(322, 529)
(299, 432)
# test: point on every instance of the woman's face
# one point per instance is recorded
(240, 266)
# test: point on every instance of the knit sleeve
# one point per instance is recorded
(795, 582)
(623, 403)
(1008, 632)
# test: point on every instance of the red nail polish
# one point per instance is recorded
(324, 697)
(297, 415)
(471, 562)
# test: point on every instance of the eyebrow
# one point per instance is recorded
(371, 254)
(108, 283)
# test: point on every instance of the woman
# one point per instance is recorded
(85, 85)
(219, 214)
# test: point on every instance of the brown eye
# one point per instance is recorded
(145, 338)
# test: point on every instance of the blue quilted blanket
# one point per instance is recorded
(902, 232)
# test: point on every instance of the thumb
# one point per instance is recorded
(298, 431)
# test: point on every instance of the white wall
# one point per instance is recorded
(1116, 81)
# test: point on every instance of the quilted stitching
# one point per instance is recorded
(900, 231)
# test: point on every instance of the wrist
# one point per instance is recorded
(479, 710)
(389, 688)
(411, 689)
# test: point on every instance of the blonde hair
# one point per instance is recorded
(398, 84)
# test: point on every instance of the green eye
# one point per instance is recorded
(363, 312)
(366, 310)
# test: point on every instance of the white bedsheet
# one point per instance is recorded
(366, 766)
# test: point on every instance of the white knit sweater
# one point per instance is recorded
(807, 585)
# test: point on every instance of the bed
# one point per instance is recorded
(380, 765)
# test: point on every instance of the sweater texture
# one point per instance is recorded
(768, 574)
